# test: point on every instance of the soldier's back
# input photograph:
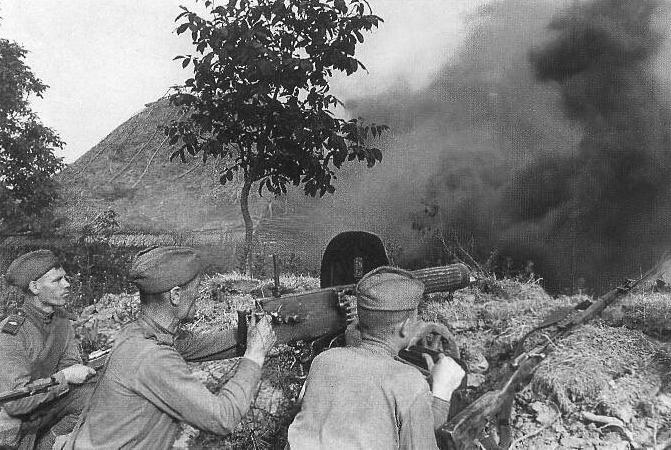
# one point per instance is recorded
(355, 397)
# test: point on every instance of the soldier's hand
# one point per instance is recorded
(77, 373)
(446, 376)
(260, 339)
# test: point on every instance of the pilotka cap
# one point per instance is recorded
(159, 269)
(30, 267)
(389, 289)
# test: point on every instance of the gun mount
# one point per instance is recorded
(319, 318)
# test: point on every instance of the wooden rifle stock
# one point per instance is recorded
(462, 431)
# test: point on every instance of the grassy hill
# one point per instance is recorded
(130, 172)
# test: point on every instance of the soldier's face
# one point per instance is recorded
(52, 288)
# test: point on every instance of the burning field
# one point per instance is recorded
(606, 385)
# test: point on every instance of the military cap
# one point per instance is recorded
(30, 267)
(389, 289)
(159, 269)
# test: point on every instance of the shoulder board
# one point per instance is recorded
(13, 324)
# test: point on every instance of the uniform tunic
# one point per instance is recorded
(361, 398)
(38, 346)
(23, 357)
(147, 390)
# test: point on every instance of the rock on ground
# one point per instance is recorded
(618, 367)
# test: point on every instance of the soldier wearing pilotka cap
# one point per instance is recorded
(146, 388)
(39, 343)
(360, 397)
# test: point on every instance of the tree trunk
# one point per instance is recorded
(247, 254)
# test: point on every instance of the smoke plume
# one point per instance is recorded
(547, 139)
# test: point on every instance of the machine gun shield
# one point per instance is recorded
(350, 255)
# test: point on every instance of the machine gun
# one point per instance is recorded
(319, 319)
(463, 430)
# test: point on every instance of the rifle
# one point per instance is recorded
(318, 319)
(36, 387)
(95, 360)
(463, 430)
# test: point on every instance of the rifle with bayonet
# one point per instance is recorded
(462, 431)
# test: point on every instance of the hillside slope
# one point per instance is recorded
(130, 172)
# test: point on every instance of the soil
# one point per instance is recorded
(605, 386)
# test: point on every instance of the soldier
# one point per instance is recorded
(38, 343)
(146, 388)
(361, 397)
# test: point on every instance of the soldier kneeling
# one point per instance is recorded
(37, 344)
(360, 397)
(146, 389)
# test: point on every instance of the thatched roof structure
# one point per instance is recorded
(130, 172)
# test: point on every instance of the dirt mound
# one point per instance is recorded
(607, 385)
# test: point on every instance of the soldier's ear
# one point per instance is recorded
(175, 296)
(406, 327)
(33, 288)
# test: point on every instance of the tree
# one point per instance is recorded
(259, 96)
(27, 160)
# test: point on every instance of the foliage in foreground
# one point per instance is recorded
(259, 97)
(27, 160)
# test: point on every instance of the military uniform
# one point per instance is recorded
(146, 389)
(36, 345)
(39, 346)
(361, 397)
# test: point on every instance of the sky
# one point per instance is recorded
(104, 60)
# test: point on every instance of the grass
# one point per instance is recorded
(500, 316)
(584, 367)
(608, 367)
(650, 313)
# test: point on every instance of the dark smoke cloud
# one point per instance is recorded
(548, 139)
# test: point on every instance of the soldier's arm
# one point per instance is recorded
(166, 382)
(72, 355)
(207, 346)
(417, 423)
(15, 373)
(441, 411)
